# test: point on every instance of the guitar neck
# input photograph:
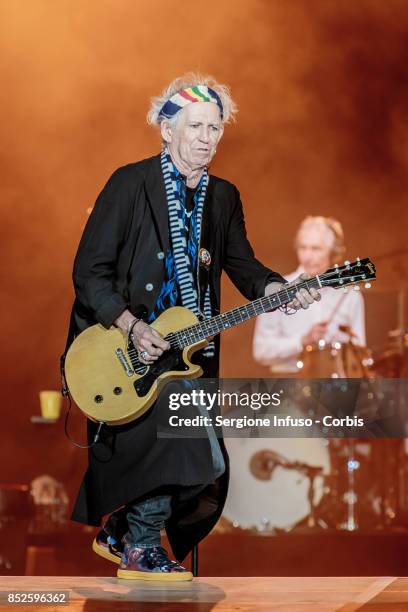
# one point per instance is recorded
(231, 318)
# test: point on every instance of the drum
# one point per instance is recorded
(392, 362)
(270, 483)
(334, 360)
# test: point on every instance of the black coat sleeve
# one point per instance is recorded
(248, 274)
(95, 266)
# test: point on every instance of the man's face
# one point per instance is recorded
(312, 250)
(195, 136)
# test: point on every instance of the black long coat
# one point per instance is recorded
(120, 264)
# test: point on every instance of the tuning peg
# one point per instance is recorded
(358, 259)
(367, 285)
(356, 288)
(347, 263)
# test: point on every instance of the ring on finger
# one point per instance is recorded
(144, 354)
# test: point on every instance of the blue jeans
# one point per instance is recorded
(145, 520)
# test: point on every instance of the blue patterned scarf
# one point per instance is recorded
(181, 263)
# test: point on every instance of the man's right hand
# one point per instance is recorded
(144, 337)
(148, 340)
(316, 333)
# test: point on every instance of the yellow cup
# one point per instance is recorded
(51, 402)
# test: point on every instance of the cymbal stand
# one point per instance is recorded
(350, 497)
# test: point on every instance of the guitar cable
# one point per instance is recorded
(65, 393)
(96, 436)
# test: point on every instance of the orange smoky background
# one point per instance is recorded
(322, 91)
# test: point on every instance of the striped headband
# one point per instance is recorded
(198, 93)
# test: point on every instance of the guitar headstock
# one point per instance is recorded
(359, 271)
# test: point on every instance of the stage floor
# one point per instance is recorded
(344, 594)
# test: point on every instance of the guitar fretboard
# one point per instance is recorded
(230, 318)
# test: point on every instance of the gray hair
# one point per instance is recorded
(191, 79)
(334, 236)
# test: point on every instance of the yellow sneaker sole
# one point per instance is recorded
(106, 554)
(163, 577)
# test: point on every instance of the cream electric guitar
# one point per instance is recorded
(109, 383)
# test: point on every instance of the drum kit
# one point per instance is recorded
(306, 484)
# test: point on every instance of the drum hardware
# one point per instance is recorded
(392, 361)
(263, 464)
(350, 497)
(392, 489)
(369, 503)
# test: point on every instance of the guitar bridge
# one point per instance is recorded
(124, 362)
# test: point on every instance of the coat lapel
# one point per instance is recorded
(156, 195)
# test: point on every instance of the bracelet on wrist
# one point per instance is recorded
(131, 326)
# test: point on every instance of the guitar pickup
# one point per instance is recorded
(124, 362)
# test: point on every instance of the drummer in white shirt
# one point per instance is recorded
(280, 339)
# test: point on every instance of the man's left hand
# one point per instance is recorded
(304, 297)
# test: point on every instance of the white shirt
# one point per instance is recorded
(277, 339)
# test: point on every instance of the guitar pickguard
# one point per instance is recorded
(170, 360)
